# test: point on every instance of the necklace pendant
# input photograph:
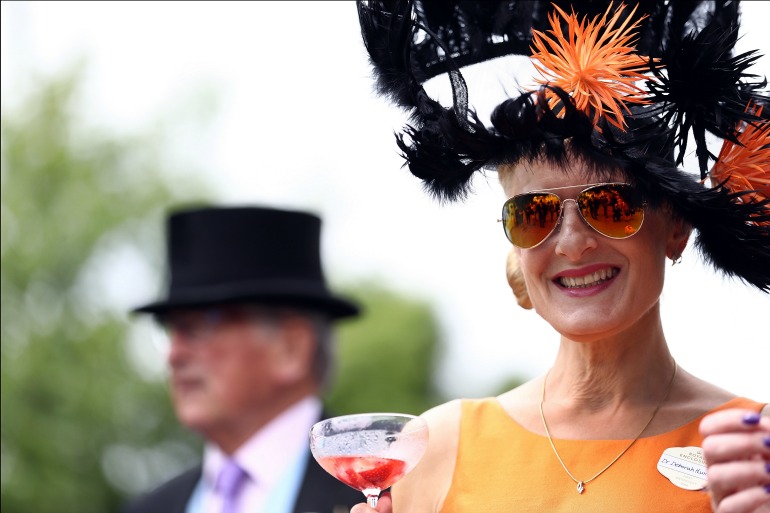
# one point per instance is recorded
(580, 487)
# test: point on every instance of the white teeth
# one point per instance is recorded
(588, 280)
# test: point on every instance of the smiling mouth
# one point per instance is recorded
(589, 280)
(186, 383)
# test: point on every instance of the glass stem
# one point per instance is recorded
(371, 500)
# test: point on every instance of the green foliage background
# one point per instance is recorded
(387, 358)
(72, 198)
(83, 427)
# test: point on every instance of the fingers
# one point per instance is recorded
(736, 447)
(734, 420)
(751, 500)
(735, 434)
(726, 478)
(384, 505)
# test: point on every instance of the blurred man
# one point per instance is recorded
(248, 316)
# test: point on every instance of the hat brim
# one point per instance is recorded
(285, 294)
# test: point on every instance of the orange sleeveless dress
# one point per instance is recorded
(503, 468)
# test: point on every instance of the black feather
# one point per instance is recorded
(387, 31)
(704, 88)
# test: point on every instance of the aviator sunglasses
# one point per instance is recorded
(616, 210)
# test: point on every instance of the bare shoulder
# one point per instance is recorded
(521, 404)
(523, 394)
(695, 398)
(449, 411)
(425, 487)
(701, 394)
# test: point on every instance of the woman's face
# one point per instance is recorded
(586, 285)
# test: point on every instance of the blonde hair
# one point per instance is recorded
(512, 269)
(516, 280)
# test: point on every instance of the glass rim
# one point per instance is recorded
(352, 416)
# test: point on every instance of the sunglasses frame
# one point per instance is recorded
(562, 203)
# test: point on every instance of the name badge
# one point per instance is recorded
(684, 466)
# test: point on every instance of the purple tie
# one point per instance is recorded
(231, 477)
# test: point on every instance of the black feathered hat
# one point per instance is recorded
(622, 87)
(222, 255)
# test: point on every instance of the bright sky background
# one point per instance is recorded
(298, 126)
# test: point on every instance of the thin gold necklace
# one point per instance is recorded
(581, 485)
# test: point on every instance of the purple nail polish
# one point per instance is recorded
(767, 467)
(767, 488)
(766, 441)
(751, 418)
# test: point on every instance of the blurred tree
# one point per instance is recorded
(79, 427)
(386, 359)
(83, 425)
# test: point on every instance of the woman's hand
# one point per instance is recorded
(384, 505)
(736, 447)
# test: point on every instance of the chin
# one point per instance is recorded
(592, 325)
(193, 416)
(586, 335)
(585, 322)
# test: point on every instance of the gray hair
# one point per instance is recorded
(325, 357)
(323, 365)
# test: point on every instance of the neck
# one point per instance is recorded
(633, 367)
(232, 436)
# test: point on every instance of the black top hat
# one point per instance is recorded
(235, 254)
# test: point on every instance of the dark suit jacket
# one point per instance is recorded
(319, 492)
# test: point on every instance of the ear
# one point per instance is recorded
(293, 356)
(516, 278)
(678, 235)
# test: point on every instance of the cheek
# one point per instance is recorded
(653, 273)
(652, 243)
(223, 365)
(244, 371)
(531, 267)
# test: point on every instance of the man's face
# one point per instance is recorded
(222, 365)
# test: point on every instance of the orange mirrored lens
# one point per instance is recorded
(530, 218)
(613, 210)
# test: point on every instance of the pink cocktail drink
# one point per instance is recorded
(369, 451)
(365, 472)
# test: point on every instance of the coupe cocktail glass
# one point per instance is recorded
(369, 451)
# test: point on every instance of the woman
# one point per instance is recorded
(616, 424)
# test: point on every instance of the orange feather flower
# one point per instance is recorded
(595, 63)
(746, 166)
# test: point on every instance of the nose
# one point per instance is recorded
(573, 236)
(178, 348)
